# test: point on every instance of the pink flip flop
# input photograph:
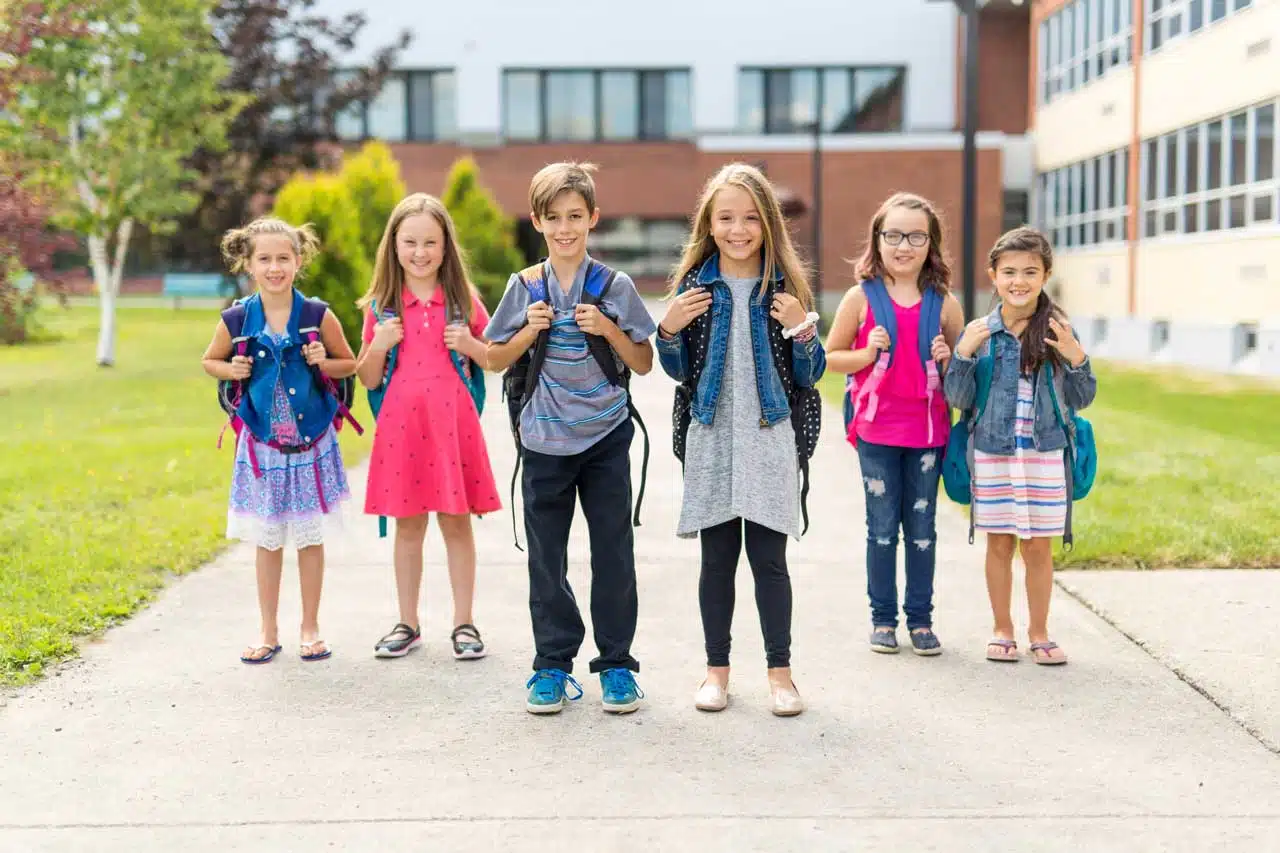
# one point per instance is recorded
(1010, 653)
(1046, 660)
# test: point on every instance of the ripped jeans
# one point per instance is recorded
(901, 485)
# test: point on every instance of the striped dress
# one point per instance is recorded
(1023, 495)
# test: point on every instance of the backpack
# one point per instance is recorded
(805, 403)
(231, 391)
(520, 380)
(957, 459)
(858, 399)
(471, 374)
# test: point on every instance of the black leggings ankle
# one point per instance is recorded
(767, 554)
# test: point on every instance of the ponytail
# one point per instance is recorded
(1035, 351)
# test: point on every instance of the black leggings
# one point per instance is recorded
(767, 553)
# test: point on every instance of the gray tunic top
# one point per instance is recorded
(735, 468)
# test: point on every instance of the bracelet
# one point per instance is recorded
(664, 334)
(810, 320)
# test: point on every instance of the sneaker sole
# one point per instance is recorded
(388, 653)
(544, 709)
(928, 653)
(622, 709)
(470, 655)
(885, 650)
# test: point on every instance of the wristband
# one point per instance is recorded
(663, 333)
(811, 320)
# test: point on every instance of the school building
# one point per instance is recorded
(1155, 154)
(660, 94)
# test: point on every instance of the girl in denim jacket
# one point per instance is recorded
(746, 367)
(1020, 497)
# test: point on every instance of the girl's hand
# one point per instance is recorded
(1066, 344)
(458, 337)
(975, 334)
(686, 308)
(539, 316)
(939, 350)
(787, 310)
(314, 353)
(387, 334)
(241, 367)
(591, 321)
(878, 339)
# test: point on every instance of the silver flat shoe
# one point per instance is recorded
(711, 697)
(787, 701)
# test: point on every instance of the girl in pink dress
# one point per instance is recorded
(429, 452)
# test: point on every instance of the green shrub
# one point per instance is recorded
(372, 179)
(483, 230)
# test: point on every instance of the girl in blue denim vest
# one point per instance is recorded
(1019, 490)
(288, 481)
(741, 339)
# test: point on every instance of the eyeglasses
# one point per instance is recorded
(917, 239)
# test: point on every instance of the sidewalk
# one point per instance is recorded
(159, 739)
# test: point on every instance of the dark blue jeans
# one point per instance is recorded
(901, 485)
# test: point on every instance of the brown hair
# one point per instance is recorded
(1034, 349)
(559, 178)
(935, 273)
(779, 251)
(388, 276)
(237, 244)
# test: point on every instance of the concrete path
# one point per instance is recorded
(159, 739)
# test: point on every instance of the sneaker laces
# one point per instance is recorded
(621, 680)
(561, 678)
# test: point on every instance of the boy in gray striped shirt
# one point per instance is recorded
(575, 432)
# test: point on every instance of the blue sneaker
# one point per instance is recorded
(621, 693)
(547, 691)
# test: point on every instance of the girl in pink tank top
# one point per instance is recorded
(897, 416)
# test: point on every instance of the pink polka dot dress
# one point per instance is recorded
(429, 452)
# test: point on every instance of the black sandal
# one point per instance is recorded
(398, 643)
(470, 646)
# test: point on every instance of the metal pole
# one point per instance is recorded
(817, 213)
(971, 9)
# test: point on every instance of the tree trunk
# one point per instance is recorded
(107, 280)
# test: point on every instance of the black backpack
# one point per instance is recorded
(520, 380)
(805, 403)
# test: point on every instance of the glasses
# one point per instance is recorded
(917, 239)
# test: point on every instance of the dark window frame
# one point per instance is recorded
(821, 70)
(407, 76)
(597, 119)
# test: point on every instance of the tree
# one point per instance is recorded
(340, 274)
(483, 230)
(27, 243)
(109, 119)
(372, 180)
(295, 62)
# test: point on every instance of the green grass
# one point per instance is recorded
(110, 481)
(1188, 472)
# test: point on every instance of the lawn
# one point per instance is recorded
(1188, 473)
(110, 480)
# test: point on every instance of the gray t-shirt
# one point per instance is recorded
(573, 405)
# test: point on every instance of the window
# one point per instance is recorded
(591, 105)
(413, 105)
(1085, 203)
(1212, 176)
(1081, 42)
(1170, 20)
(843, 99)
(643, 247)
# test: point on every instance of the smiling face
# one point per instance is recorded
(736, 226)
(273, 263)
(420, 247)
(565, 226)
(1018, 278)
(904, 243)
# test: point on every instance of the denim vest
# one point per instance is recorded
(994, 432)
(312, 407)
(809, 359)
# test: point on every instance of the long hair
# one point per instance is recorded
(237, 244)
(1034, 349)
(935, 273)
(388, 276)
(779, 251)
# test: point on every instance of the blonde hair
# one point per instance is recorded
(237, 244)
(779, 251)
(388, 275)
(559, 178)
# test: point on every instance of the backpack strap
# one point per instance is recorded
(534, 280)
(882, 311)
(1068, 429)
(867, 394)
(312, 315)
(594, 290)
(930, 328)
(984, 373)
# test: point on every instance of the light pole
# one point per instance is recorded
(816, 128)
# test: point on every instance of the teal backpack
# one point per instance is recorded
(957, 460)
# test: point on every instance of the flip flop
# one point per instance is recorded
(271, 653)
(1010, 653)
(1045, 660)
(308, 656)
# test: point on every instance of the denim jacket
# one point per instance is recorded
(994, 433)
(809, 360)
(313, 408)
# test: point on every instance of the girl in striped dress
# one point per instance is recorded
(1019, 465)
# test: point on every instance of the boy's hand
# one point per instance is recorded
(1065, 343)
(939, 350)
(314, 353)
(591, 321)
(686, 308)
(787, 310)
(241, 367)
(387, 334)
(539, 316)
(975, 334)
